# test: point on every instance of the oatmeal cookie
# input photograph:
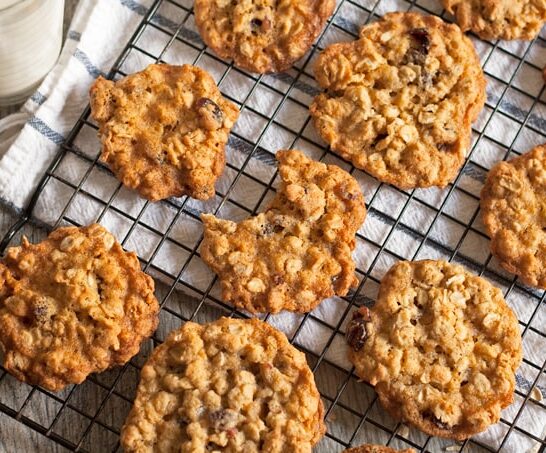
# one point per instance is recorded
(499, 19)
(400, 101)
(164, 130)
(232, 385)
(513, 203)
(377, 449)
(297, 252)
(441, 347)
(74, 304)
(261, 35)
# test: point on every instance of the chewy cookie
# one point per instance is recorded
(377, 449)
(261, 35)
(499, 19)
(164, 130)
(74, 304)
(232, 385)
(400, 101)
(441, 347)
(513, 203)
(297, 252)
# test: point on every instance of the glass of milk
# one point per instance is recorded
(31, 34)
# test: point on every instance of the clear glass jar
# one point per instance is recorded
(31, 33)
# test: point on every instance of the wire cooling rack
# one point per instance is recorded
(400, 225)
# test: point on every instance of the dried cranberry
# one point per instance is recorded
(257, 25)
(422, 38)
(378, 138)
(446, 147)
(223, 419)
(418, 51)
(356, 330)
(426, 78)
(436, 421)
(40, 313)
(272, 228)
(211, 106)
(183, 421)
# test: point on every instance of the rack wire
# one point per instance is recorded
(89, 417)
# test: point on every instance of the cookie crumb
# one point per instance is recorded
(536, 394)
(404, 431)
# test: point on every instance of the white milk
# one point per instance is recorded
(30, 42)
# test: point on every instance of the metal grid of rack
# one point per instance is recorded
(88, 417)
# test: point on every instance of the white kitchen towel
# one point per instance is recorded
(101, 29)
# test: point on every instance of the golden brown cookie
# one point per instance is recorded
(499, 19)
(400, 101)
(377, 449)
(261, 35)
(74, 304)
(441, 347)
(298, 251)
(231, 385)
(164, 130)
(513, 203)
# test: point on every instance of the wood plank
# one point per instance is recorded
(16, 437)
